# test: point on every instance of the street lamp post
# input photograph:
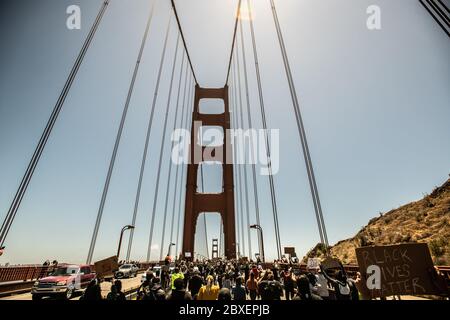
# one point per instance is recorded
(258, 227)
(128, 227)
(170, 247)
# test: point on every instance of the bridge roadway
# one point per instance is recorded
(127, 284)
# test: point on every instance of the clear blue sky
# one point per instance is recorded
(376, 106)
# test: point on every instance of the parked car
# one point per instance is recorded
(63, 282)
(127, 271)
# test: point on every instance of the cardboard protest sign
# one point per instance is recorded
(107, 267)
(289, 250)
(403, 269)
(313, 263)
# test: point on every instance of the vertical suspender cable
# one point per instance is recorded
(155, 199)
(245, 164)
(239, 208)
(117, 142)
(155, 98)
(183, 125)
(264, 121)
(301, 129)
(241, 150)
(130, 92)
(169, 100)
(10, 216)
(220, 237)
(204, 213)
(188, 125)
(183, 108)
(252, 138)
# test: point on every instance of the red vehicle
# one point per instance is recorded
(63, 282)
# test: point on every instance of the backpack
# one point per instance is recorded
(270, 290)
(150, 295)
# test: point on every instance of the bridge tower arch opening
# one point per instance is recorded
(219, 202)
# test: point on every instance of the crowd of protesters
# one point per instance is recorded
(234, 280)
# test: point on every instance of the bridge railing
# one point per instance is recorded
(23, 273)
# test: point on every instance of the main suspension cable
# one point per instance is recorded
(264, 122)
(180, 29)
(233, 43)
(301, 130)
(20, 193)
(118, 139)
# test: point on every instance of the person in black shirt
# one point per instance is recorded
(195, 283)
(270, 289)
(179, 293)
(304, 290)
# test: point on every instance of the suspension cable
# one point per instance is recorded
(238, 14)
(239, 106)
(118, 139)
(250, 125)
(204, 213)
(161, 150)
(245, 165)
(169, 100)
(130, 92)
(17, 200)
(264, 121)
(189, 126)
(182, 180)
(301, 130)
(239, 207)
(180, 29)
(155, 98)
(183, 107)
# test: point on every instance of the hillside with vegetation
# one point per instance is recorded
(426, 220)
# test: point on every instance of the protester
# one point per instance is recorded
(320, 287)
(145, 287)
(209, 291)
(268, 288)
(179, 293)
(176, 275)
(155, 292)
(224, 295)
(195, 283)
(252, 286)
(116, 293)
(344, 289)
(288, 283)
(238, 290)
(304, 290)
(226, 283)
(93, 291)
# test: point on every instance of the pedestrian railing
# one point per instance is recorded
(23, 273)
